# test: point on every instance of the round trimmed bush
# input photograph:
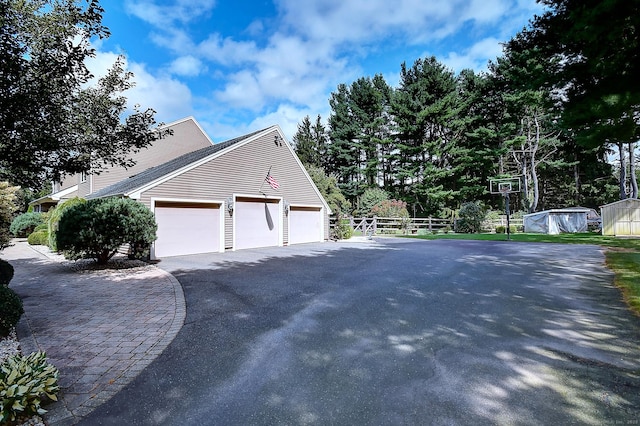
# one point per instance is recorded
(97, 228)
(6, 272)
(10, 310)
(38, 238)
(25, 223)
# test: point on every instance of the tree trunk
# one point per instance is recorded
(632, 171)
(576, 178)
(623, 172)
(534, 173)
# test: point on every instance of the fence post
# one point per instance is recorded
(430, 224)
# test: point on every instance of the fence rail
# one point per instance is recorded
(394, 225)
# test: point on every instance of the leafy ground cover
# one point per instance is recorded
(622, 255)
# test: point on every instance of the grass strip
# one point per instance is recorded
(626, 266)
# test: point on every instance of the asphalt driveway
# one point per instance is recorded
(393, 332)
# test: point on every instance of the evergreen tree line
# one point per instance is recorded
(437, 139)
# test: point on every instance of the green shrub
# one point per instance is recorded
(6, 272)
(24, 382)
(8, 205)
(25, 223)
(501, 229)
(41, 227)
(342, 230)
(470, 218)
(10, 310)
(38, 238)
(368, 200)
(54, 218)
(97, 228)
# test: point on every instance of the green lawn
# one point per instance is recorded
(622, 256)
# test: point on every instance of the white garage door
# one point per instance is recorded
(187, 228)
(257, 223)
(305, 225)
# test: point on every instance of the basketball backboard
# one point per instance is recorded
(508, 185)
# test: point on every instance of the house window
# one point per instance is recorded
(83, 177)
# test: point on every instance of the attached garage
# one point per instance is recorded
(257, 223)
(245, 193)
(305, 225)
(188, 228)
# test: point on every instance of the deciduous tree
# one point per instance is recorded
(51, 122)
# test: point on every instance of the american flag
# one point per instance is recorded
(272, 181)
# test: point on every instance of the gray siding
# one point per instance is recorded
(242, 171)
(84, 188)
(186, 137)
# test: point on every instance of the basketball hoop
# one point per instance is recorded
(504, 187)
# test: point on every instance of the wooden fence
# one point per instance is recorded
(369, 226)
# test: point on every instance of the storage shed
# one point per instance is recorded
(556, 221)
(621, 218)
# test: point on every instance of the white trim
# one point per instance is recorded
(58, 195)
(626, 200)
(196, 201)
(235, 196)
(138, 191)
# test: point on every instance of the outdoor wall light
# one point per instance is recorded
(230, 205)
(287, 207)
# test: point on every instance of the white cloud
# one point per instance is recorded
(100, 64)
(187, 66)
(287, 69)
(476, 57)
(286, 116)
(227, 51)
(264, 76)
(176, 40)
(181, 11)
(170, 98)
(486, 11)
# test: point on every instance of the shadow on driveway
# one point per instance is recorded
(397, 332)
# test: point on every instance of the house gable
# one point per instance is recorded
(187, 136)
(238, 172)
(232, 176)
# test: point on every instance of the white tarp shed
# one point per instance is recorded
(556, 221)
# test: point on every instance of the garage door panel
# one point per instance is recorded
(183, 230)
(252, 224)
(305, 225)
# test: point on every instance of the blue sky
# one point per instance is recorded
(242, 65)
